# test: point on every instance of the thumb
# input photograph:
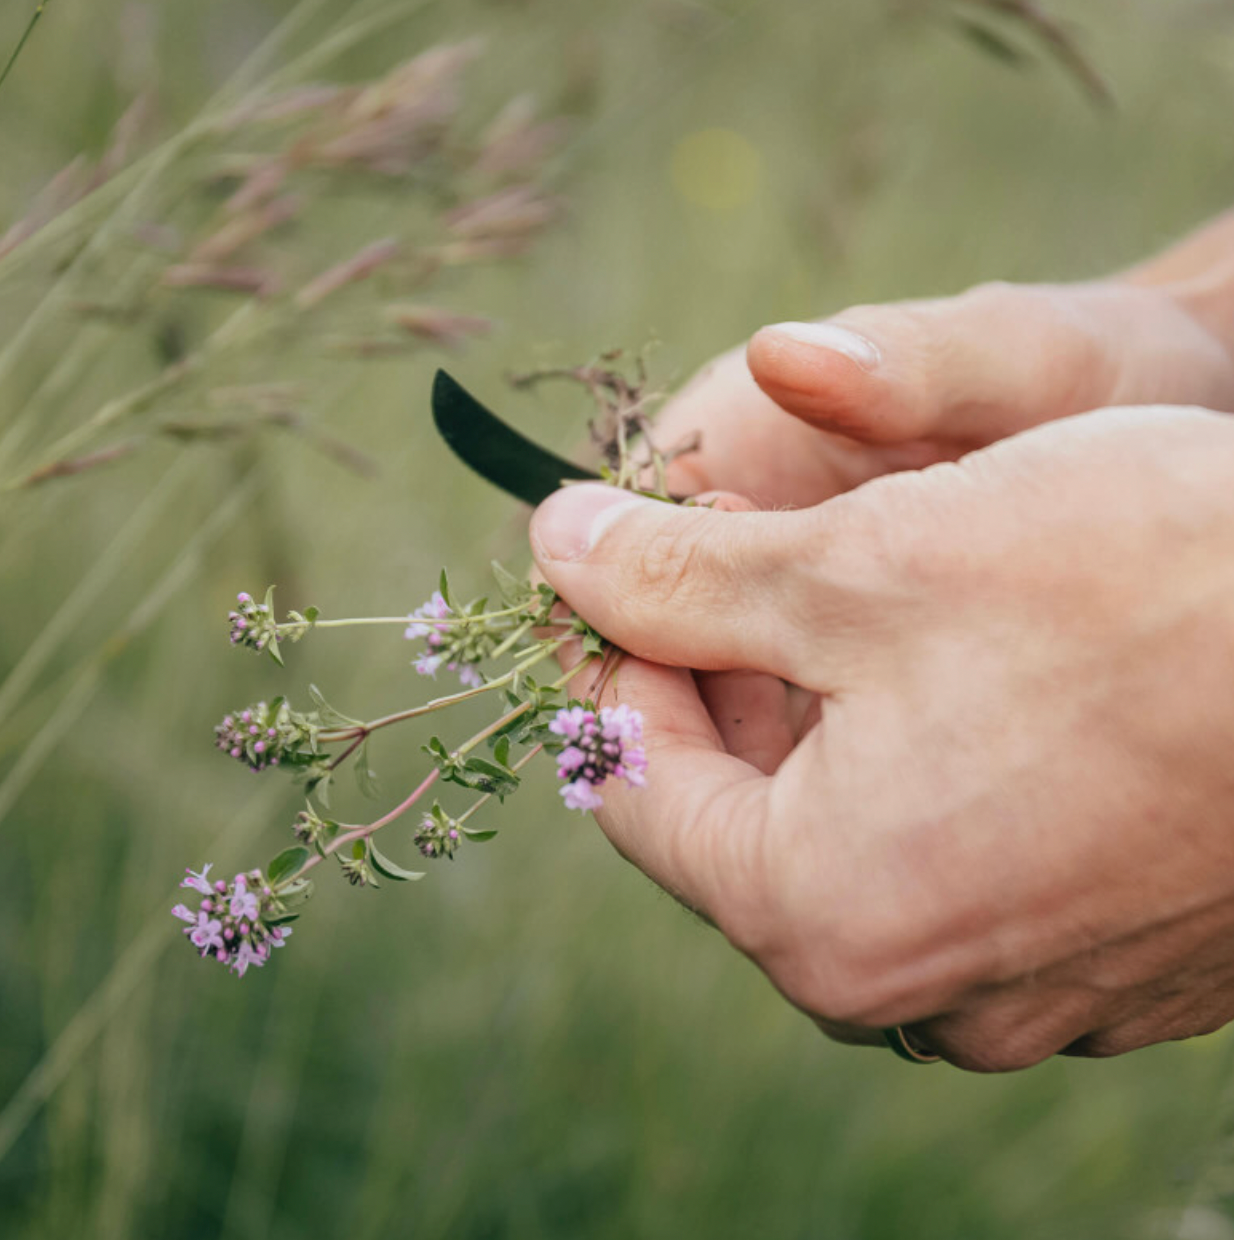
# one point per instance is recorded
(693, 587)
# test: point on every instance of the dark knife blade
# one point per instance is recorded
(480, 439)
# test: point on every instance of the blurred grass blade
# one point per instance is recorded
(86, 681)
(1056, 36)
(76, 605)
(21, 43)
(991, 43)
(133, 965)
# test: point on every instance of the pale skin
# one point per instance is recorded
(940, 696)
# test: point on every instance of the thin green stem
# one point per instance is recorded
(445, 622)
(360, 832)
(363, 831)
(21, 43)
(361, 730)
(519, 710)
(514, 637)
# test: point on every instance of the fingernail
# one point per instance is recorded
(570, 522)
(829, 336)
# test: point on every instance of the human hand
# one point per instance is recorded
(811, 410)
(1011, 828)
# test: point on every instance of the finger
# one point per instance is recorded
(1188, 1015)
(749, 445)
(751, 713)
(697, 826)
(694, 587)
(1010, 1027)
(1000, 358)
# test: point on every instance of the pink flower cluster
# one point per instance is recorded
(435, 637)
(600, 744)
(246, 735)
(438, 837)
(252, 625)
(228, 925)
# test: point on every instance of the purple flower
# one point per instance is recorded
(207, 934)
(602, 745)
(428, 622)
(427, 664)
(422, 621)
(229, 925)
(581, 795)
(243, 904)
(262, 736)
(438, 834)
(252, 624)
(248, 955)
(198, 882)
(468, 674)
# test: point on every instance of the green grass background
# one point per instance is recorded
(532, 1042)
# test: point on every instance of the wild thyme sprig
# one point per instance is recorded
(240, 923)
(450, 765)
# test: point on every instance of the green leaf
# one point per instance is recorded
(442, 758)
(443, 588)
(501, 751)
(328, 714)
(287, 863)
(284, 920)
(485, 776)
(366, 777)
(318, 783)
(298, 893)
(514, 590)
(479, 834)
(383, 865)
(311, 614)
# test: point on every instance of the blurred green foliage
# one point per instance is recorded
(532, 1042)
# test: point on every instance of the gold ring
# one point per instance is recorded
(897, 1038)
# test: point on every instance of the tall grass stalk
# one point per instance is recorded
(25, 36)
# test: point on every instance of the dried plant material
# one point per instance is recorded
(260, 185)
(517, 140)
(274, 160)
(446, 328)
(79, 464)
(516, 212)
(68, 186)
(257, 281)
(359, 267)
(243, 229)
(289, 105)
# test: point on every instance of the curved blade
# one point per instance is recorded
(479, 438)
